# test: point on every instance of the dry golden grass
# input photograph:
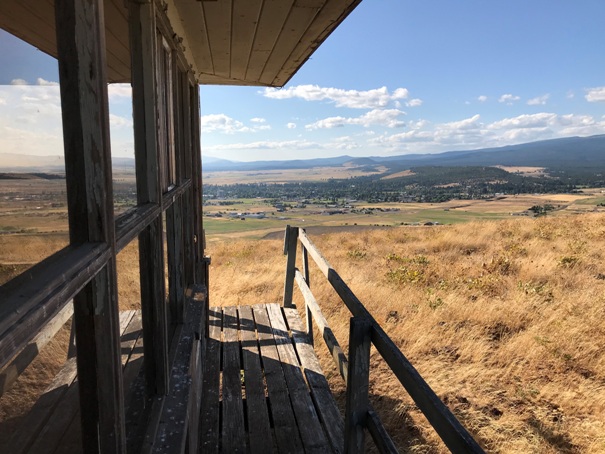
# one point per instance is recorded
(503, 319)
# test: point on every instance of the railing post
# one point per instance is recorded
(309, 315)
(290, 241)
(358, 377)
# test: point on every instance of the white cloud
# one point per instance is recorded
(343, 143)
(414, 102)
(538, 100)
(471, 133)
(116, 121)
(40, 81)
(117, 91)
(291, 125)
(19, 82)
(380, 117)
(596, 94)
(508, 98)
(227, 125)
(539, 120)
(356, 99)
(467, 123)
(482, 98)
(269, 145)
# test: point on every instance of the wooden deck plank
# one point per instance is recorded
(209, 427)
(311, 431)
(259, 428)
(37, 417)
(284, 421)
(288, 406)
(233, 431)
(325, 404)
(71, 439)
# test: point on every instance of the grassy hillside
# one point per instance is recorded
(504, 319)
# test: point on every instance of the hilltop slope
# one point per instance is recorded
(503, 319)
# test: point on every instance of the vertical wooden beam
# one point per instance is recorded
(82, 71)
(290, 241)
(174, 234)
(175, 214)
(142, 29)
(308, 313)
(198, 226)
(358, 377)
(187, 158)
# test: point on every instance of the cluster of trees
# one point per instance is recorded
(426, 184)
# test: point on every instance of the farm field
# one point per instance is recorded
(287, 175)
(387, 214)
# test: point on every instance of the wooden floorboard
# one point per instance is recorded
(233, 431)
(269, 391)
(259, 426)
(209, 417)
(53, 423)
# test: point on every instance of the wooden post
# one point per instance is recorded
(290, 241)
(80, 32)
(142, 30)
(196, 177)
(174, 234)
(308, 313)
(357, 403)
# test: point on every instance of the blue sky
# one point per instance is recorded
(397, 77)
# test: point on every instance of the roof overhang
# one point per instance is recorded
(227, 42)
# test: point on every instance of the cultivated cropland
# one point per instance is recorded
(496, 297)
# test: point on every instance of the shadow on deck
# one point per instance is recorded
(264, 390)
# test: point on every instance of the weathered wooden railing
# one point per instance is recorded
(364, 331)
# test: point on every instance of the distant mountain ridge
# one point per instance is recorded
(579, 153)
(568, 153)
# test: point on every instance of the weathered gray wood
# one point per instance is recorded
(307, 276)
(132, 222)
(357, 404)
(196, 177)
(286, 431)
(290, 243)
(209, 426)
(71, 439)
(82, 72)
(19, 363)
(176, 284)
(199, 294)
(232, 434)
(171, 435)
(325, 404)
(175, 193)
(35, 297)
(381, 437)
(22, 438)
(142, 33)
(259, 428)
(311, 432)
(322, 324)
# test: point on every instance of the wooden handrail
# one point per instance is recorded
(451, 431)
(32, 299)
